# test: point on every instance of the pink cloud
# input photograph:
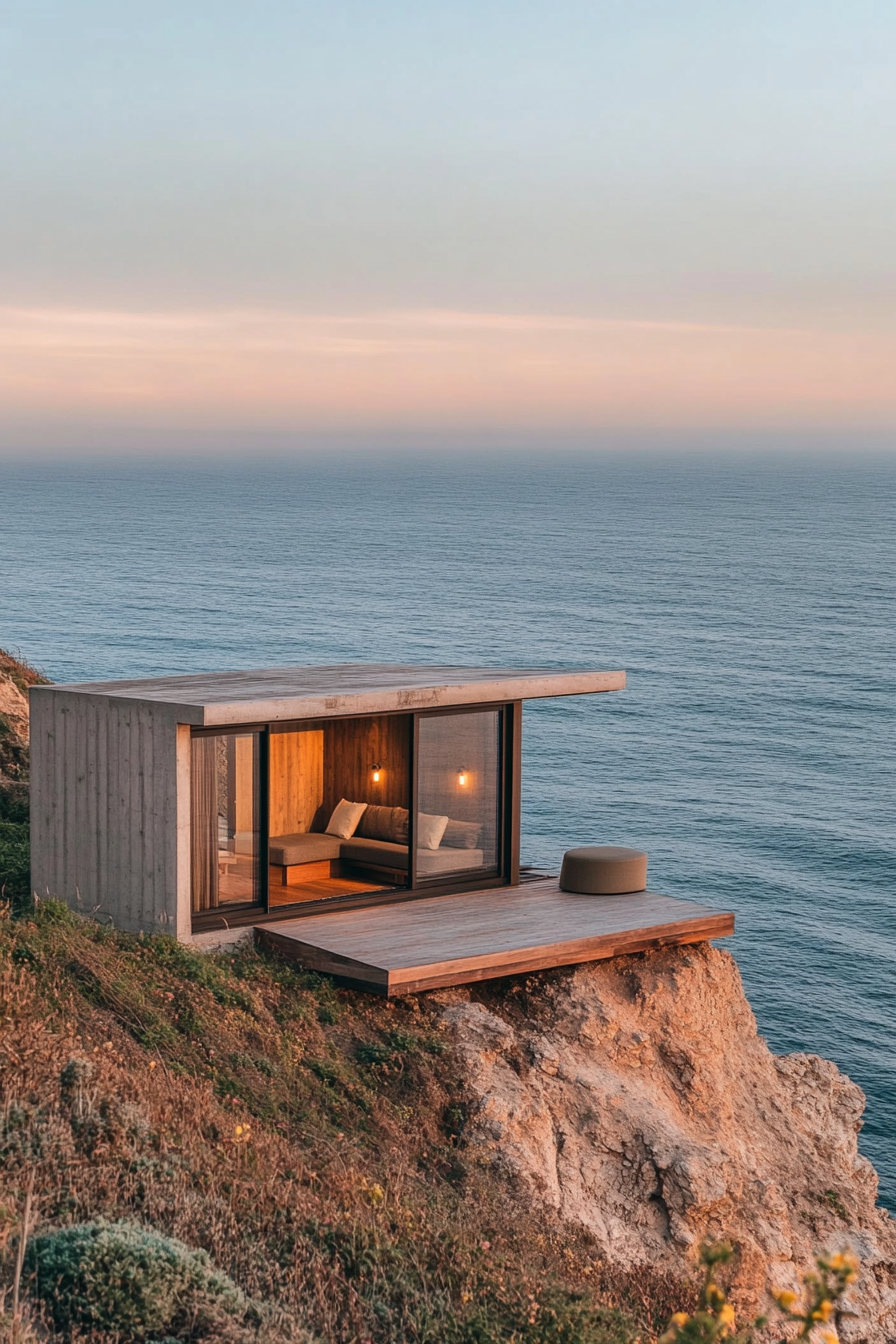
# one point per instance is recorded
(272, 369)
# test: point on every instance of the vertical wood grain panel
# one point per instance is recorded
(119, 818)
(351, 748)
(92, 791)
(43, 796)
(104, 799)
(152, 812)
(108, 876)
(244, 785)
(296, 780)
(161, 825)
(80, 719)
(69, 775)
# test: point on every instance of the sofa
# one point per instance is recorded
(380, 841)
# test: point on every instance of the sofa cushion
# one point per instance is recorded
(384, 823)
(433, 861)
(430, 862)
(378, 852)
(303, 847)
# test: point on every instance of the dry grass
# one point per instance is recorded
(310, 1139)
(20, 672)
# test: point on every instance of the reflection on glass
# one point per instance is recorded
(224, 818)
(458, 784)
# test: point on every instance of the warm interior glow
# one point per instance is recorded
(376, 774)
(462, 778)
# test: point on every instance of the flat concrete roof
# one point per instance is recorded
(275, 694)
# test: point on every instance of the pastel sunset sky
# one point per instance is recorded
(470, 216)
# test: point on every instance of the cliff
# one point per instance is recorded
(635, 1099)
(535, 1159)
(15, 678)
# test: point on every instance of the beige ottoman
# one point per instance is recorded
(604, 870)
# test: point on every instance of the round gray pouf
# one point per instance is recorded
(604, 870)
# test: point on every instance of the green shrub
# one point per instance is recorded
(121, 1277)
(202, 970)
(15, 861)
(14, 801)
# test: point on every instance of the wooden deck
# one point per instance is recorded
(408, 946)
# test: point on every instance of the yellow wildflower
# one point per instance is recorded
(828, 1337)
(844, 1263)
(678, 1320)
(376, 1194)
(786, 1300)
(726, 1316)
(823, 1311)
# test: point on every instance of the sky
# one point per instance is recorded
(489, 215)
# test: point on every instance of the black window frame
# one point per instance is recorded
(508, 874)
(221, 916)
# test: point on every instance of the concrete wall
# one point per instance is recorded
(109, 822)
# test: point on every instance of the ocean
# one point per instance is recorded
(751, 602)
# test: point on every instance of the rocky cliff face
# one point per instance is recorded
(15, 678)
(634, 1097)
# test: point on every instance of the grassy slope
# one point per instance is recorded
(310, 1138)
(14, 857)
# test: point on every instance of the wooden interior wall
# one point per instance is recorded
(352, 747)
(296, 780)
(244, 752)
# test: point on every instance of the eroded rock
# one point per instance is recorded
(635, 1097)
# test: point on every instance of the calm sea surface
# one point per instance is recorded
(751, 603)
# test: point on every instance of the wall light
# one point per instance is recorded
(377, 773)
(462, 778)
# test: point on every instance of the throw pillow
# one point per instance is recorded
(345, 818)
(384, 823)
(462, 834)
(430, 830)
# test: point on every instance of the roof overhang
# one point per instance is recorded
(280, 694)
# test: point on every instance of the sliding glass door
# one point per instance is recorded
(458, 783)
(226, 821)
(435, 795)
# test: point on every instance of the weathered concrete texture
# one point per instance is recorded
(635, 1097)
(277, 694)
(104, 808)
(222, 940)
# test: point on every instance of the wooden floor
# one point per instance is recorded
(317, 889)
(408, 946)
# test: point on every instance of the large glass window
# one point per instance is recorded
(225, 820)
(458, 794)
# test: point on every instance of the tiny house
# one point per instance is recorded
(297, 802)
